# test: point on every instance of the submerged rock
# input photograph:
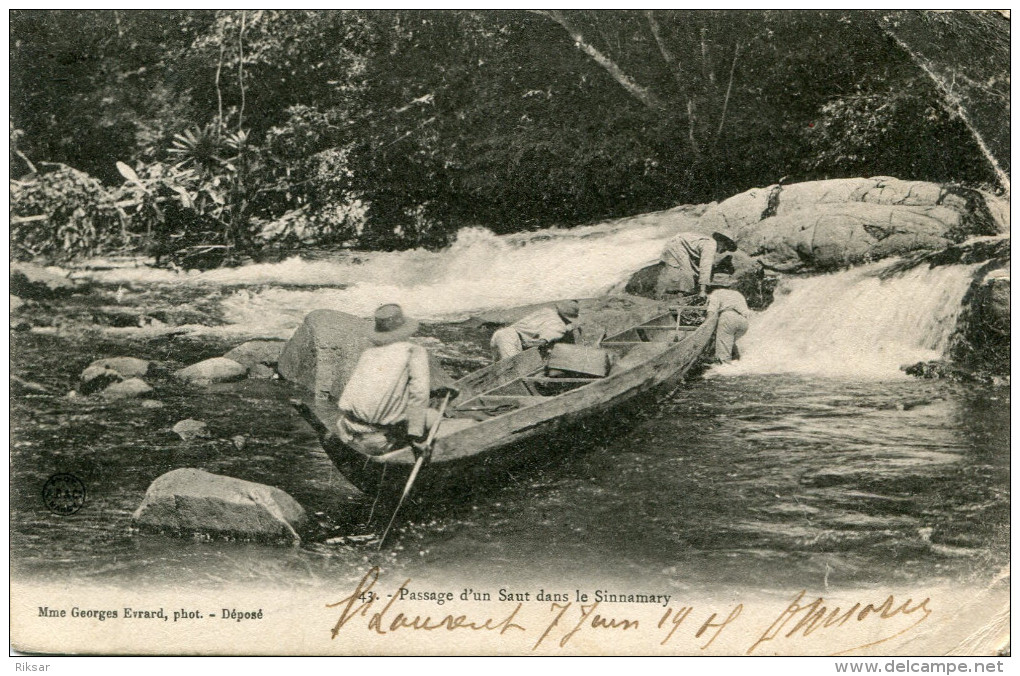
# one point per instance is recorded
(191, 429)
(253, 352)
(322, 353)
(132, 387)
(187, 500)
(215, 370)
(21, 387)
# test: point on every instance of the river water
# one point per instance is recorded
(814, 461)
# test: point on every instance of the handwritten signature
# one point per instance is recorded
(803, 617)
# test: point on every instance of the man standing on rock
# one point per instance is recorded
(544, 327)
(386, 400)
(687, 263)
(733, 314)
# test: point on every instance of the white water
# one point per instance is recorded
(480, 271)
(854, 324)
(848, 324)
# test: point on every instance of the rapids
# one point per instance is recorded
(814, 461)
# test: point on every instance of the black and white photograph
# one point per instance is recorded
(380, 332)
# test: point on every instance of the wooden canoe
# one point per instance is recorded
(520, 403)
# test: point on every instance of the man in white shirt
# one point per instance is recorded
(733, 316)
(687, 263)
(386, 400)
(543, 327)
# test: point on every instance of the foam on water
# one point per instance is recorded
(854, 323)
(480, 271)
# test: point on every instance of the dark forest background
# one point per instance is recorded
(164, 130)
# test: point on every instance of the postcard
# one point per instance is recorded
(510, 333)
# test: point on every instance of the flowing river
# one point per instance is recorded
(814, 461)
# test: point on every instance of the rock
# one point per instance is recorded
(215, 370)
(186, 501)
(36, 283)
(152, 403)
(15, 303)
(829, 236)
(128, 367)
(820, 225)
(21, 387)
(191, 429)
(239, 441)
(102, 373)
(96, 378)
(266, 352)
(643, 282)
(261, 372)
(132, 387)
(984, 329)
(322, 353)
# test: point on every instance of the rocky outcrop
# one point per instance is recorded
(821, 225)
(254, 352)
(15, 303)
(187, 501)
(215, 370)
(322, 353)
(982, 341)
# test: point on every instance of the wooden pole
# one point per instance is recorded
(417, 468)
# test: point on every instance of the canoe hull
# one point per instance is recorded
(469, 457)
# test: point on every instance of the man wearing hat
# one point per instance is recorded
(688, 260)
(733, 315)
(541, 328)
(386, 400)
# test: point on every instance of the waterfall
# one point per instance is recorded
(855, 323)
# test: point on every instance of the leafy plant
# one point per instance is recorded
(63, 214)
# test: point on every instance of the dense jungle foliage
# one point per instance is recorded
(206, 131)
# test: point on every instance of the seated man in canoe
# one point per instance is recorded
(687, 265)
(386, 401)
(539, 329)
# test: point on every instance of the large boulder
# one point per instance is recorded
(37, 283)
(254, 352)
(187, 501)
(322, 353)
(215, 370)
(834, 235)
(820, 225)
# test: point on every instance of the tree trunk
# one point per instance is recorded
(639, 92)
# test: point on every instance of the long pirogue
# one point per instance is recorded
(522, 398)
